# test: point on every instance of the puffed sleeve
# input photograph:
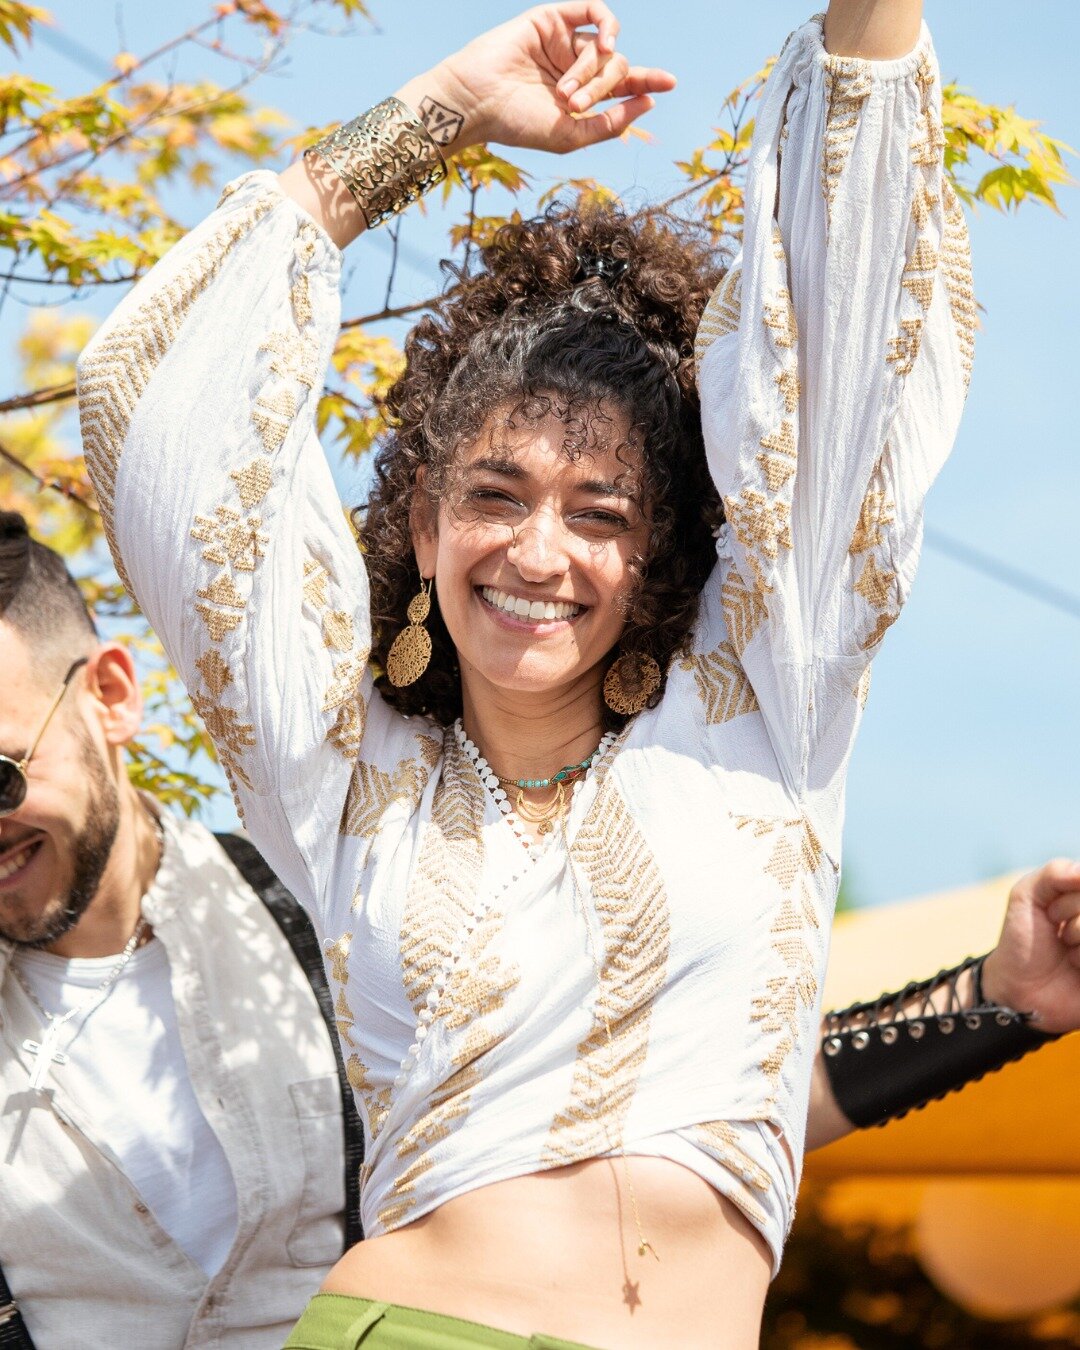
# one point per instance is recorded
(197, 402)
(833, 364)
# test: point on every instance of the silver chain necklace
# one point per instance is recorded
(46, 1052)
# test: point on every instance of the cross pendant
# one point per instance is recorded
(45, 1055)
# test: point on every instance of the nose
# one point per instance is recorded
(538, 549)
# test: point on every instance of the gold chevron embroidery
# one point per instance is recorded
(219, 622)
(956, 269)
(918, 275)
(720, 1140)
(875, 584)
(721, 314)
(630, 902)
(876, 514)
(880, 628)
(252, 482)
(791, 989)
(847, 87)
(215, 672)
(779, 319)
(762, 527)
(443, 889)
(374, 1100)
(371, 790)
(721, 683)
(337, 630)
(904, 348)
(114, 378)
(347, 731)
(294, 356)
(788, 383)
(779, 466)
(744, 610)
(929, 142)
(230, 539)
(231, 737)
(862, 689)
(315, 578)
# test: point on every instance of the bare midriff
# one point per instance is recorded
(557, 1252)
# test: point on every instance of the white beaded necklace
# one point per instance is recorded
(490, 781)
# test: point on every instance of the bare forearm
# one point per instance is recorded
(314, 185)
(826, 1121)
(878, 30)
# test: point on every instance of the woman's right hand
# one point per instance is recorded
(537, 82)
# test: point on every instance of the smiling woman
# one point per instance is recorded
(557, 760)
(541, 393)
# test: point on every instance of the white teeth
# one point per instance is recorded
(12, 865)
(526, 609)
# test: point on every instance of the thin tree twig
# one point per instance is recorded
(52, 484)
(37, 398)
(395, 233)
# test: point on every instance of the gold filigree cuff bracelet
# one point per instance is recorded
(385, 157)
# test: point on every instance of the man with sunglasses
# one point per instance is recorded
(171, 1113)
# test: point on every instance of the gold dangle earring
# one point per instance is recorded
(630, 683)
(410, 651)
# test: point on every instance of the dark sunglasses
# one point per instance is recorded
(13, 772)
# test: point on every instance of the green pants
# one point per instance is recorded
(338, 1322)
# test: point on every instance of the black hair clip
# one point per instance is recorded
(601, 265)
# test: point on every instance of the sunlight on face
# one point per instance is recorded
(536, 553)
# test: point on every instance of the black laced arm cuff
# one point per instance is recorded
(892, 1056)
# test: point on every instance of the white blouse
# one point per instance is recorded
(688, 907)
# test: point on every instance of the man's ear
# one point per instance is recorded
(112, 680)
(423, 525)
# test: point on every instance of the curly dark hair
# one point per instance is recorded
(580, 315)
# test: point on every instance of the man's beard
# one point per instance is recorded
(90, 852)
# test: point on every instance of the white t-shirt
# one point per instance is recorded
(139, 1094)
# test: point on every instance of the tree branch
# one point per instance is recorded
(52, 484)
(37, 398)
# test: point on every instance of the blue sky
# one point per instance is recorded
(967, 761)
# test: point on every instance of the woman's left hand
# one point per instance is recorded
(538, 82)
(1036, 964)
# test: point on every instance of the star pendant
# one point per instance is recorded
(630, 1295)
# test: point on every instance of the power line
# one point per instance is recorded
(74, 51)
(1007, 575)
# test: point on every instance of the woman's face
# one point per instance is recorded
(536, 554)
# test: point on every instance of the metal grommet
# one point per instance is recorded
(833, 1046)
(861, 1040)
(916, 1030)
(946, 1025)
(1003, 1019)
(889, 1035)
(973, 1021)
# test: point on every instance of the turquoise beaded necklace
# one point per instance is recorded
(569, 773)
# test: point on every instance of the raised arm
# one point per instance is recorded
(833, 366)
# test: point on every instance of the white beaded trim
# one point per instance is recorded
(491, 781)
(531, 853)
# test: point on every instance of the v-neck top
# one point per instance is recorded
(688, 908)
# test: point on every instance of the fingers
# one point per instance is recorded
(601, 86)
(581, 13)
(612, 122)
(1054, 879)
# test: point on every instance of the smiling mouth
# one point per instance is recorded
(15, 862)
(535, 611)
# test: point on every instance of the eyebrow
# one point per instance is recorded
(510, 468)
